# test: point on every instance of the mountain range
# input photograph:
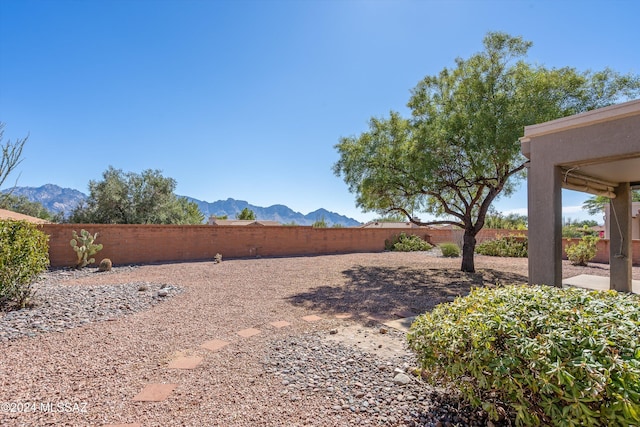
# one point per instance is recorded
(58, 199)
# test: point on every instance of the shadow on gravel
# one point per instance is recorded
(386, 292)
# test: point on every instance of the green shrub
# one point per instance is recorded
(450, 250)
(24, 254)
(552, 356)
(406, 243)
(504, 246)
(582, 252)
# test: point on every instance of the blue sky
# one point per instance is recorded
(246, 99)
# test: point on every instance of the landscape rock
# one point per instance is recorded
(56, 308)
(401, 379)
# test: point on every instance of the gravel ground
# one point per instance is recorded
(308, 373)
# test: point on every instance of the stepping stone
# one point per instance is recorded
(311, 318)
(155, 392)
(214, 345)
(185, 362)
(246, 333)
(344, 316)
(404, 313)
(401, 324)
(378, 318)
(280, 324)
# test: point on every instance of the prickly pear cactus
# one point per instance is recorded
(85, 247)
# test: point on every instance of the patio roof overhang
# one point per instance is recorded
(588, 172)
(597, 152)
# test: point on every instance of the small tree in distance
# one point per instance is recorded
(246, 214)
(320, 223)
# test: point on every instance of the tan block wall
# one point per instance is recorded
(139, 244)
(142, 244)
(602, 255)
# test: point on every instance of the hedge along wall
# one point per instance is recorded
(141, 244)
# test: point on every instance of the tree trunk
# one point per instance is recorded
(468, 249)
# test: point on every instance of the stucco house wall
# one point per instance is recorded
(635, 221)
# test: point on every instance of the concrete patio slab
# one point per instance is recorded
(214, 345)
(599, 283)
(280, 324)
(246, 333)
(311, 318)
(155, 392)
(401, 324)
(185, 362)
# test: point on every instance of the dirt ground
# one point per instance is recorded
(105, 364)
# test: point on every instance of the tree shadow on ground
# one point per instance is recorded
(392, 292)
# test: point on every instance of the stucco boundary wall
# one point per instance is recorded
(145, 244)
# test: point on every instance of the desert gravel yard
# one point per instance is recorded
(282, 351)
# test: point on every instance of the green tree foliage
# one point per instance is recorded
(221, 217)
(246, 214)
(130, 198)
(393, 217)
(320, 223)
(508, 222)
(24, 254)
(459, 150)
(11, 155)
(511, 221)
(23, 205)
(578, 230)
(595, 205)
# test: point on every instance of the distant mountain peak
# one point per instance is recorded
(59, 199)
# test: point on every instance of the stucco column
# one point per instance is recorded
(620, 239)
(544, 184)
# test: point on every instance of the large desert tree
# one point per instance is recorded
(131, 198)
(459, 150)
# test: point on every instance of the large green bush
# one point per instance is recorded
(406, 243)
(24, 254)
(550, 356)
(504, 246)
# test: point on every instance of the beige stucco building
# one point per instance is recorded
(609, 220)
(597, 152)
